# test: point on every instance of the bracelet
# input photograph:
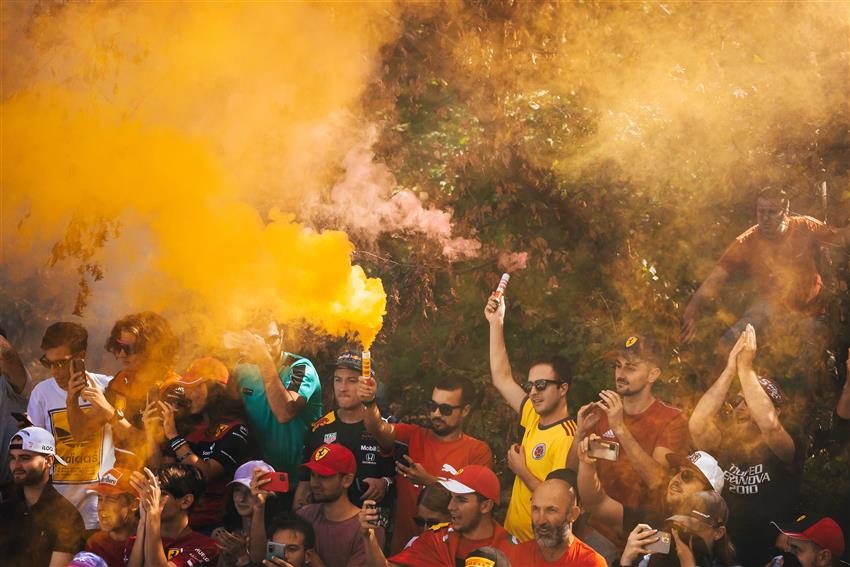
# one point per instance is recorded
(176, 443)
(388, 480)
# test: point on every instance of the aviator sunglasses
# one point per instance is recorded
(538, 385)
(51, 364)
(118, 347)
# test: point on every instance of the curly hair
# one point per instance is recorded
(154, 337)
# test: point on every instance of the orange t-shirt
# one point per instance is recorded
(784, 270)
(441, 546)
(579, 554)
(425, 448)
(659, 425)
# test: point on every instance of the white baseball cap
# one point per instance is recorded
(704, 464)
(245, 472)
(37, 440)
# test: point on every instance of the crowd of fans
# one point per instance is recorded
(237, 466)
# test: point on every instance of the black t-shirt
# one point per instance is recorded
(29, 536)
(371, 461)
(759, 489)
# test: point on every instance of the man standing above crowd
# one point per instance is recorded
(428, 450)
(541, 402)
(60, 404)
(646, 429)
(475, 494)
(38, 526)
(553, 511)
(762, 460)
(282, 396)
(14, 380)
(375, 469)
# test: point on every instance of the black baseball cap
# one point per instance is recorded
(352, 360)
(639, 347)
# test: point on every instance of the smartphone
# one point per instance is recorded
(662, 545)
(21, 417)
(78, 366)
(275, 550)
(279, 482)
(605, 450)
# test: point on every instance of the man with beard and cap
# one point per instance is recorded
(646, 428)
(60, 404)
(475, 494)
(344, 425)
(763, 462)
(38, 526)
(117, 510)
(813, 541)
(553, 511)
(546, 430)
(334, 518)
(696, 472)
(428, 450)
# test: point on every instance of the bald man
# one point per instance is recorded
(553, 511)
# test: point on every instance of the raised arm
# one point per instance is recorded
(586, 419)
(258, 536)
(11, 366)
(285, 401)
(708, 290)
(843, 406)
(704, 432)
(500, 365)
(367, 389)
(604, 509)
(759, 403)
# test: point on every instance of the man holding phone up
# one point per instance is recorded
(56, 405)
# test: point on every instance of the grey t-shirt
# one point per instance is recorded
(10, 401)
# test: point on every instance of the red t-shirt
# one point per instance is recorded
(190, 550)
(441, 546)
(784, 270)
(425, 448)
(112, 551)
(579, 554)
(659, 425)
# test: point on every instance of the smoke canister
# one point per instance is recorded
(366, 361)
(500, 289)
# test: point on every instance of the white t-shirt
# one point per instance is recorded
(87, 460)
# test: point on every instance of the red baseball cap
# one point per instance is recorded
(820, 530)
(474, 478)
(115, 481)
(332, 459)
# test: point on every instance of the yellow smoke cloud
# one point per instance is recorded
(179, 120)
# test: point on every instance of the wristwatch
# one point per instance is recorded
(117, 416)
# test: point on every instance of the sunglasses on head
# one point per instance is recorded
(126, 348)
(425, 523)
(444, 409)
(51, 364)
(538, 385)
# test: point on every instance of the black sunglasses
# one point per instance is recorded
(118, 346)
(51, 364)
(444, 409)
(425, 523)
(689, 475)
(538, 385)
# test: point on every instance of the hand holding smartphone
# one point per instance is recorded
(278, 482)
(662, 545)
(602, 449)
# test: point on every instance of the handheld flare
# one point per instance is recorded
(503, 283)
(366, 361)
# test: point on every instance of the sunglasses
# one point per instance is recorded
(444, 409)
(51, 364)
(538, 385)
(688, 475)
(118, 347)
(426, 523)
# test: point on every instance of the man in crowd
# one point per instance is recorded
(38, 526)
(163, 537)
(334, 518)
(375, 469)
(117, 511)
(541, 402)
(780, 256)
(813, 541)
(553, 512)
(475, 494)
(428, 450)
(762, 460)
(282, 397)
(694, 473)
(59, 405)
(295, 542)
(646, 429)
(14, 380)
